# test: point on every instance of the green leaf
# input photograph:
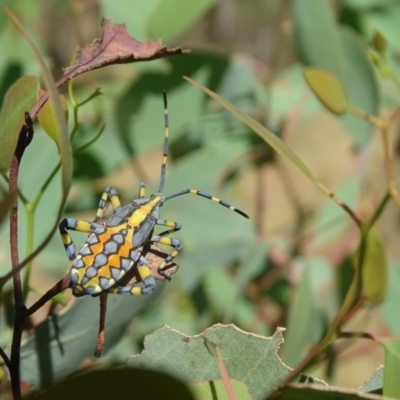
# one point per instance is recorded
(127, 383)
(231, 234)
(60, 344)
(360, 84)
(390, 307)
(59, 119)
(375, 382)
(277, 144)
(47, 120)
(249, 358)
(362, 5)
(375, 269)
(329, 221)
(218, 287)
(216, 390)
(298, 391)
(159, 24)
(384, 16)
(317, 39)
(391, 387)
(251, 265)
(379, 42)
(300, 322)
(322, 43)
(328, 89)
(20, 97)
(135, 111)
(136, 21)
(5, 204)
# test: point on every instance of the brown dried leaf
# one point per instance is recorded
(154, 256)
(117, 47)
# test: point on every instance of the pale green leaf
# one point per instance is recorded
(317, 38)
(375, 382)
(20, 98)
(47, 119)
(328, 89)
(59, 118)
(216, 390)
(300, 322)
(375, 269)
(159, 24)
(391, 387)
(274, 141)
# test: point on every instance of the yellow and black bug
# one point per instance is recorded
(114, 247)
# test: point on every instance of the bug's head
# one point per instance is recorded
(157, 200)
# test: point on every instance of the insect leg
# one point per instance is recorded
(109, 193)
(142, 190)
(206, 196)
(170, 224)
(73, 225)
(149, 282)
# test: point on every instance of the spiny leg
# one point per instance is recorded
(73, 225)
(175, 226)
(207, 196)
(148, 280)
(109, 193)
(175, 243)
(170, 224)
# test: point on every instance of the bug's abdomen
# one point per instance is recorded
(103, 260)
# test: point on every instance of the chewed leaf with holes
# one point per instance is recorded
(248, 358)
(318, 392)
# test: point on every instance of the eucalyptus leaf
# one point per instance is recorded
(61, 343)
(249, 358)
(328, 89)
(375, 269)
(20, 98)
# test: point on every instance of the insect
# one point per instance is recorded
(115, 246)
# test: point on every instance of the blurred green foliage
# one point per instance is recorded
(292, 264)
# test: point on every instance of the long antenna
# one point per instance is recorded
(207, 196)
(165, 152)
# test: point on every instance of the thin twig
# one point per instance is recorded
(56, 289)
(5, 358)
(353, 335)
(389, 164)
(102, 324)
(346, 208)
(379, 210)
(25, 137)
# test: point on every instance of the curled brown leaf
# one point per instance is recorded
(117, 47)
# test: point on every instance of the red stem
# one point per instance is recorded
(102, 324)
(24, 139)
(57, 288)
